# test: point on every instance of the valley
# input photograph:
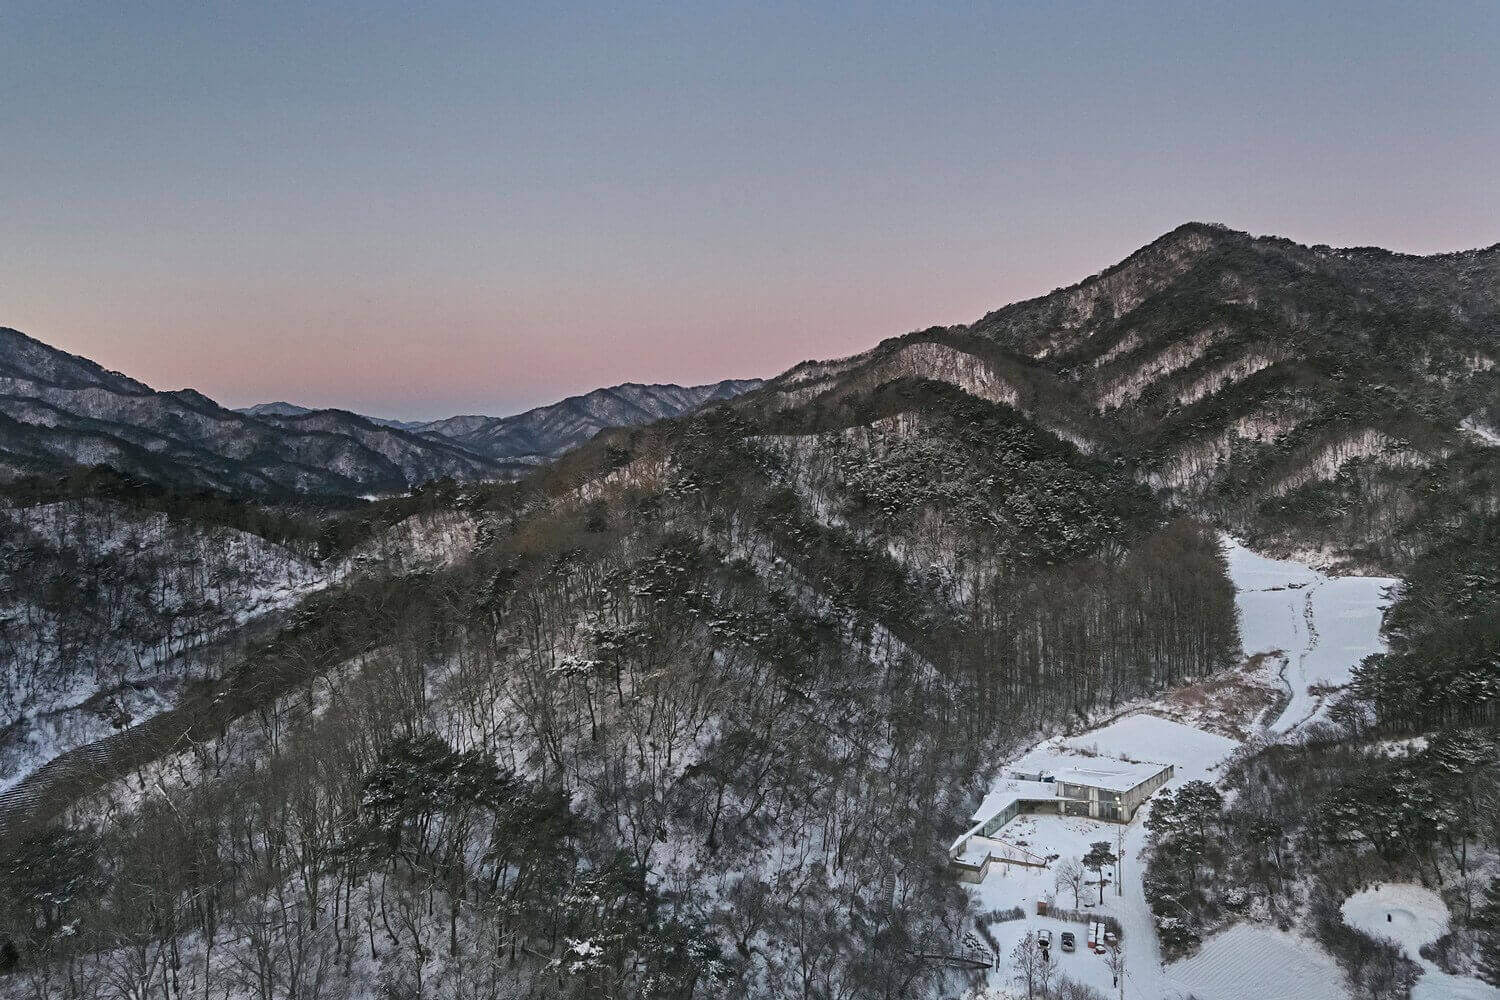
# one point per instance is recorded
(692, 701)
(730, 501)
(1277, 616)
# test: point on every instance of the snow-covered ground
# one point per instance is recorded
(1252, 962)
(150, 591)
(212, 578)
(1322, 626)
(1247, 962)
(1195, 755)
(1411, 916)
(1481, 432)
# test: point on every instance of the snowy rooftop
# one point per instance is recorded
(1077, 768)
(1098, 758)
(1007, 790)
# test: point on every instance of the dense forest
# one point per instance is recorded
(696, 715)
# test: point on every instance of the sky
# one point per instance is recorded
(416, 210)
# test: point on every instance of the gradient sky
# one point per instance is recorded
(418, 210)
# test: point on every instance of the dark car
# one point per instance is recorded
(1067, 941)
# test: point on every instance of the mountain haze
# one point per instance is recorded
(60, 411)
(545, 431)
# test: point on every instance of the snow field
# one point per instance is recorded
(1194, 755)
(1323, 626)
(1246, 962)
(1251, 962)
(1410, 916)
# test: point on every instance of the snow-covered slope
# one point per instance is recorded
(1319, 627)
(102, 608)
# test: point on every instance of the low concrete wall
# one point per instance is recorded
(994, 852)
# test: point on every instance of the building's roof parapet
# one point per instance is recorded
(1077, 768)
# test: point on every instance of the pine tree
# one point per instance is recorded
(1099, 857)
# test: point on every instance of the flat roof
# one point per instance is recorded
(1008, 790)
(1077, 768)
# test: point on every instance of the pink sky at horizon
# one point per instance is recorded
(438, 352)
(482, 208)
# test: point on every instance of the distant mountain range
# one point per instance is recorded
(1308, 398)
(544, 432)
(59, 411)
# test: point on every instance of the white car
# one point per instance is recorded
(1044, 938)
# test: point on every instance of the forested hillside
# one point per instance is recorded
(1338, 404)
(696, 709)
(1396, 785)
(119, 598)
(698, 717)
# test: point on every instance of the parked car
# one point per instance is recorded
(1044, 938)
(1067, 941)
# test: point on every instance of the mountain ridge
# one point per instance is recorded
(548, 430)
(59, 411)
(1288, 392)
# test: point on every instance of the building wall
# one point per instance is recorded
(1133, 799)
(1105, 804)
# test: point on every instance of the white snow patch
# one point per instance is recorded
(1227, 375)
(1324, 462)
(1321, 626)
(1176, 356)
(1481, 432)
(1411, 916)
(1249, 962)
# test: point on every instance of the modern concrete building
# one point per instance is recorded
(1093, 785)
(1062, 781)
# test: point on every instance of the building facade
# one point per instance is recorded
(1096, 787)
